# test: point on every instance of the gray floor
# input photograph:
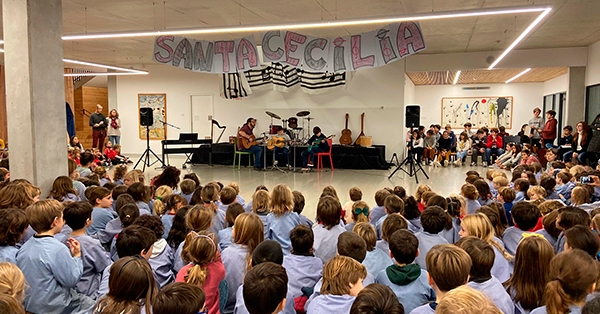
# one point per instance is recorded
(444, 181)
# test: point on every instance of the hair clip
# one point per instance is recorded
(364, 210)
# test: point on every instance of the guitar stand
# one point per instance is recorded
(413, 167)
(275, 165)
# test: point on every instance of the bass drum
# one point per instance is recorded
(293, 122)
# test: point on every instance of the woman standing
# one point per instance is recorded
(114, 127)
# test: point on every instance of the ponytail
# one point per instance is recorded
(200, 248)
(197, 275)
(556, 299)
(159, 207)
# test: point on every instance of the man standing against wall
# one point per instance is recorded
(98, 123)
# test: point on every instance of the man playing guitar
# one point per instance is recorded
(281, 144)
(246, 133)
(322, 145)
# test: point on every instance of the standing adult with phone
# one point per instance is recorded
(98, 123)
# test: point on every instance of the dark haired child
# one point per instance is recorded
(521, 186)
(51, 269)
(132, 241)
(453, 210)
(128, 213)
(408, 281)
(63, 190)
(101, 199)
(564, 185)
(412, 215)
(342, 281)
(161, 260)
(583, 238)
(355, 195)
(227, 196)
(470, 193)
(138, 191)
(299, 203)
(569, 217)
(375, 299)
(449, 267)
(393, 205)
(266, 289)
(238, 197)
(379, 211)
(78, 216)
(506, 196)
(433, 220)
(231, 214)
(302, 267)
(550, 231)
(375, 260)
(592, 306)
(390, 225)
(549, 184)
(86, 165)
(187, 187)
(13, 224)
(329, 228)
(525, 216)
(481, 279)
(180, 298)
(115, 226)
(172, 203)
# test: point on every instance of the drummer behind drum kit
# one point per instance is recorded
(299, 135)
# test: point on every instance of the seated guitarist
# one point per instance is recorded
(322, 146)
(285, 149)
(246, 132)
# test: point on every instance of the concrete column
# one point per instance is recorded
(575, 95)
(112, 92)
(35, 90)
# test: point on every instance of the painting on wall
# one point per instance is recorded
(158, 104)
(480, 111)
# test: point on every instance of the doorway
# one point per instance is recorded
(202, 114)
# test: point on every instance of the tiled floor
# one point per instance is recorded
(442, 180)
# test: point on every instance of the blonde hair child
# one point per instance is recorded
(161, 194)
(282, 219)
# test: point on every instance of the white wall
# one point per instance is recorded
(526, 97)
(409, 91)
(593, 65)
(556, 85)
(378, 92)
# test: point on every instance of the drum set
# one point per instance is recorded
(298, 134)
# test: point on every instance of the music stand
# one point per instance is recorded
(146, 155)
(413, 165)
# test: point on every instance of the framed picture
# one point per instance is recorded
(158, 104)
(480, 111)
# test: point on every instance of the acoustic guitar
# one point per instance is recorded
(346, 138)
(276, 141)
(361, 136)
(252, 141)
(316, 143)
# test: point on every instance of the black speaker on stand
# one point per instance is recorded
(147, 119)
(412, 120)
(413, 116)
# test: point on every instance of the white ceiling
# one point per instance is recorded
(572, 23)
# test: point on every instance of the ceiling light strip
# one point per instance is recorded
(314, 24)
(521, 37)
(102, 73)
(518, 75)
(456, 77)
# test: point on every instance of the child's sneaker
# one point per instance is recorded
(436, 164)
(458, 162)
(473, 164)
(445, 163)
(484, 164)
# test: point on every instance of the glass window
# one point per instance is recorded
(592, 103)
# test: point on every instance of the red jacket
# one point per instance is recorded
(110, 153)
(490, 142)
(549, 130)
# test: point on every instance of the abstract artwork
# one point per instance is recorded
(158, 103)
(480, 111)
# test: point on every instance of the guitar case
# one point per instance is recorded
(594, 146)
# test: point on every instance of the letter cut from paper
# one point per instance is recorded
(409, 39)
(316, 54)
(224, 61)
(246, 54)
(163, 49)
(294, 48)
(385, 42)
(272, 46)
(204, 54)
(340, 55)
(363, 51)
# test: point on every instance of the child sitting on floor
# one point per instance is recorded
(329, 228)
(302, 267)
(299, 203)
(282, 219)
(433, 220)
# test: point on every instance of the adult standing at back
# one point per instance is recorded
(536, 124)
(98, 123)
(114, 127)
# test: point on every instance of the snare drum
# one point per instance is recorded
(275, 129)
(293, 122)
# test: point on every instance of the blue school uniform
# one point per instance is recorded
(234, 260)
(178, 261)
(508, 210)
(240, 305)
(112, 228)
(100, 218)
(379, 226)
(384, 246)
(218, 222)
(302, 271)
(520, 196)
(414, 225)
(483, 202)
(144, 208)
(239, 199)
(8, 254)
(70, 197)
(64, 234)
(376, 213)
(511, 238)
(280, 227)
(493, 290)
(265, 222)
(548, 236)
(501, 269)
(248, 207)
(161, 262)
(325, 246)
(225, 238)
(426, 242)
(95, 260)
(425, 309)
(104, 181)
(77, 185)
(472, 206)
(370, 279)
(559, 246)
(451, 235)
(412, 290)
(350, 226)
(167, 221)
(377, 260)
(188, 197)
(572, 308)
(119, 182)
(329, 303)
(51, 274)
(305, 221)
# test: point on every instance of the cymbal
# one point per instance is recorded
(272, 115)
(303, 113)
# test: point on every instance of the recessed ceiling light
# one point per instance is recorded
(456, 77)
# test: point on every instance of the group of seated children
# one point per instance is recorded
(173, 246)
(110, 156)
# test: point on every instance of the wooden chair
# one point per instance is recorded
(320, 155)
(238, 155)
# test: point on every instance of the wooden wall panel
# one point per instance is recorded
(3, 119)
(87, 98)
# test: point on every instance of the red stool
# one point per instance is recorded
(320, 156)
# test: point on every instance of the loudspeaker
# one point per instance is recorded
(146, 118)
(413, 116)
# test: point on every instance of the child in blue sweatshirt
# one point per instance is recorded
(342, 281)
(393, 205)
(481, 279)
(408, 281)
(378, 211)
(52, 270)
(525, 216)
(390, 225)
(506, 196)
(302, 267)
(376, 259)
(433, 220)
(13, 223)
(299, 203)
